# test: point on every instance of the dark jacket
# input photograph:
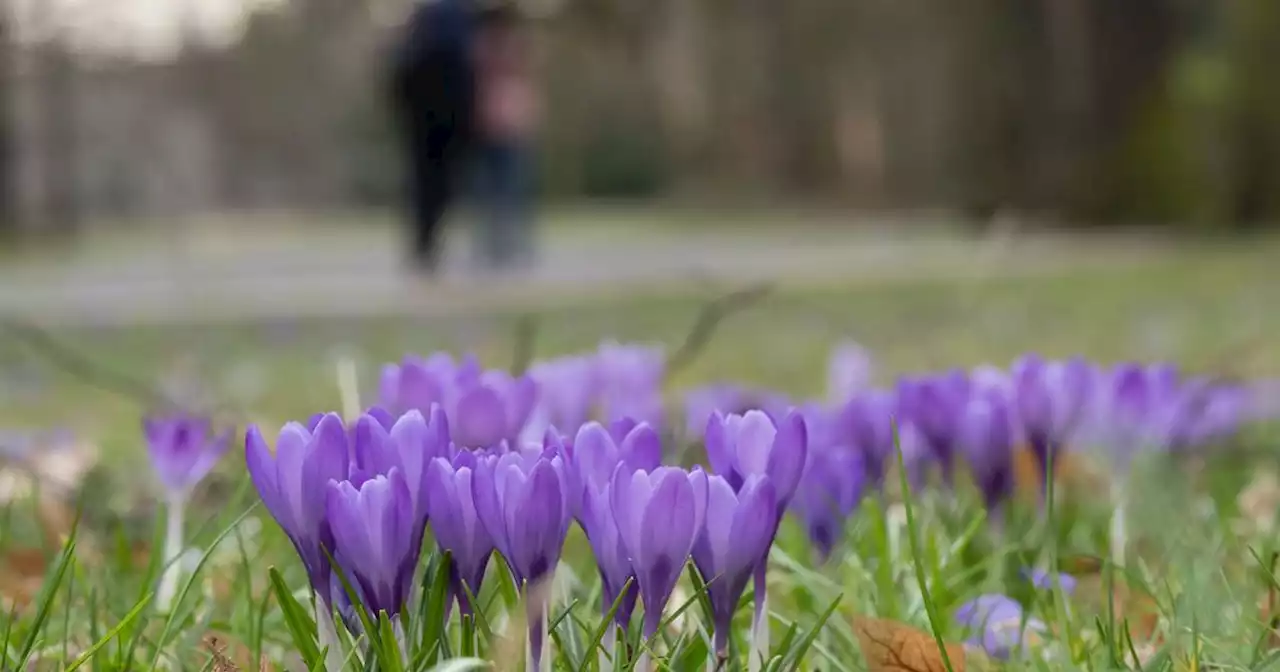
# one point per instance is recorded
(431, 70)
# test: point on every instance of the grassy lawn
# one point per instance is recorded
(1211, 311)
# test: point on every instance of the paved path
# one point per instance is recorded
(356, 271)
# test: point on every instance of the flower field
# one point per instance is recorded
(769, 480)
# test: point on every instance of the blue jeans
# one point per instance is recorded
(504, 189)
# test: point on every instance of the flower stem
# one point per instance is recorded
(328, 637)
(537, 601)
(1119, 533)
(349, 388)
(610, 644)
(168, 589)
(760, 624)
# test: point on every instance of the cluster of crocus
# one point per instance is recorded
(356, 500)
(617, 381)
(495, 462)
(980, 418)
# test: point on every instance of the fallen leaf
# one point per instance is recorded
(1081, 565)
(21, 575)
(1072, 470)
(229, 655)
(1135, 606)
(1268, 605)
(890, 646)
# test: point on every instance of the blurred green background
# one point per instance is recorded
(1091, 112)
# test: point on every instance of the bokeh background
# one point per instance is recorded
(1095, 112)
(200, 196)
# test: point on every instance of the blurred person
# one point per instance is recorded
(508, 109)
(434, 101)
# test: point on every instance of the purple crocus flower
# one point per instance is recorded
(753, 444)
(866, 423)
(1223, 413)
(1201, 411)
(377, 539)
(409, 445)
(183, 450)
(830, 490)
(456, 524)
(702, 403)
(659, 516)
(567, 391)
(597, 454)
(740, 446)
(737, 532)
(1132, 410)
(484, 407)
(630, 380)
(833, 482)
(293, 483)
(522, 499)
(849, 372)
(997, 623)
(612, 560)
(1043, 580)
(1052, 399)
(931, 403)
(984, 433)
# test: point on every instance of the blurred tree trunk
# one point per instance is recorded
(1004, 80)
(674, 49)
(8, 146)
(57, 87)
(1254, 114)
(1132, 48)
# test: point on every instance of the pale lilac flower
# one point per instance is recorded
(659, 515)
(183, 450)
(377, 539)
(293, 482)
(737, 532)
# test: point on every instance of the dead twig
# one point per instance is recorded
(80, 366)
(709, 318)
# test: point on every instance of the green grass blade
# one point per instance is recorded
(124, 623)
(806, 642)
(666, 622)
(390, 660)
(49, 592)
(931, 610)
(296, 619)
(597, 637)
(175, 610)
(431, 622)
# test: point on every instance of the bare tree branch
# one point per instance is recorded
(81, 367)
(709, 319)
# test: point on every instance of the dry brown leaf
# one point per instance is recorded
(21, 574)
(1081, 565)
(1135, 605)
(1072, 472)
(890, 646)
(1268, 606)
(230, 655)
